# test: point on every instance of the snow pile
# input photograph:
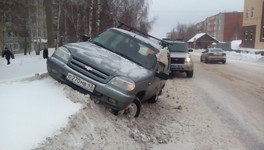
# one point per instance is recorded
(31, 108)
(23, 66)
(236, 44)
(30, 112)
(245, 56)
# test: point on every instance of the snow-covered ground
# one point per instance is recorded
(31, 111)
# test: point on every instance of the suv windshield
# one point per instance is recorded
(127, 46)
(216, 50)
(177, 47)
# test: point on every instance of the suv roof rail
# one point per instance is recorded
(139, 31)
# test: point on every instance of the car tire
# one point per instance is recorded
(205, 60)
(115, 112)
(201, 59)
(171, 74)
(133, 109)
(155, 98)
(224, 62)
(189, 74)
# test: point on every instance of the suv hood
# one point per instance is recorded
(107, 62)
(178, 54)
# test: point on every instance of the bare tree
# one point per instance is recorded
(98, 15)
(91, 17)
(15, 23)
(183, 32)
(49, 22)
(79, 17)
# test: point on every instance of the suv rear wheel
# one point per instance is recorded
(206, 61)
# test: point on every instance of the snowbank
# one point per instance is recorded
(244, 56)
(30, 109)
(236, 44)
(23, 66)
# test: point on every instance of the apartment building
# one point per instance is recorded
(253, 24)
(224, 27)
(22, 25)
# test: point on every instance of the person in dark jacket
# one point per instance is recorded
(45, 53)
(7, 54)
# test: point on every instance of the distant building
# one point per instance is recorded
(201, 41)
(224, 27)
(22, 25)
(253, 24)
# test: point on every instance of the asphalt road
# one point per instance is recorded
(235, 93)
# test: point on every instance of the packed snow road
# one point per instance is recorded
(235, 93)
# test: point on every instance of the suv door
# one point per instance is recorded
(156, 83)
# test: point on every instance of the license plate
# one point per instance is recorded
(80, 82)
(176, 66)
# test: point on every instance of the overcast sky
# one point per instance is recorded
(171, 12)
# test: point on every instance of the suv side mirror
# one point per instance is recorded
(85, 38)
(162, 75)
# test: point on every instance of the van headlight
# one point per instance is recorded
(63, 53)
(124, 83)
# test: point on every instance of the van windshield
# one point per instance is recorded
(178, 47)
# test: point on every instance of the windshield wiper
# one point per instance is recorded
(101, 45)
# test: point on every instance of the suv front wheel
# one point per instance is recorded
(132, 110)
(189, 74)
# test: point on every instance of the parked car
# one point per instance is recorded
(213, 55)
(180, 58)
(118, 68)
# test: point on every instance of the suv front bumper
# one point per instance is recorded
(105, 93)
(181, 67)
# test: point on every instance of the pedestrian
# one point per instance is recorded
(45, 53)
(8, 54)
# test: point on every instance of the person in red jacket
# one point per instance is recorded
(8, 54)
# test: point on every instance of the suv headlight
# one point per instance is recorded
(124, 83)
(63, 53)
(188, 60)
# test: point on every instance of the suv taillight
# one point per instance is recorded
(210, 54)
